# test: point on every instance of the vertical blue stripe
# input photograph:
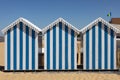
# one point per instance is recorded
(112, 49)
(93, 47)
(72, 49)
(87, 49)
(66, 47)
(21, 45)
(33, 50)
(60, 45)
(14, 48)
(99, 45)
(27, 47)
(8, 50)
(106, 46)
(48, 49)
(54, 47)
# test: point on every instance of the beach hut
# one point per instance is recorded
(99, 45)
(21, 45)
(60, 40)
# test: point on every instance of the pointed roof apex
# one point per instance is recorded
(100, 18)
(20, 18)
(89, 26)
(25, 21)
(60, 18)
(57, 21)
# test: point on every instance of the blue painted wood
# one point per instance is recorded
(72, 50)
(21, 45)
(8, 50)
(93, 47)
(33, 50)
(48, 49)
(99, 45)
(27, 47)
(87, 50)
(66, 47)
(15, 47)
(112, 50)
(60, 45)
(54, 47)
(106, 46)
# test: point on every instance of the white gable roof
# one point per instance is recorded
(56, 22)
(89, 26)
(25, 21)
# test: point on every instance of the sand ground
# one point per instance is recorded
(60, 75)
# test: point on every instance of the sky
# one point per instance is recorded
(43, 12)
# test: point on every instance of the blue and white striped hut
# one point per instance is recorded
(99, 46)
(60, 40)
(21, 45)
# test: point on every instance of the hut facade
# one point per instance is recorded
(99, 46)
(21, 45)
(60, 39)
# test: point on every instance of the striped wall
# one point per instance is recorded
(99, 44)
(21, 48)
(60, 48)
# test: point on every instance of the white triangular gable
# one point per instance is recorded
(56, 22)
(25, 21)
(89, 26)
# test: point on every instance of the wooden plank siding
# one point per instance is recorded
(2, 53)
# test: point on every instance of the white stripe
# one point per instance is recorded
(57, 47)
(109, 48)
(45, 50)
(96, 44)
(90, 49)
(84, 51)
(115, 51)
(11, 53)
(103, 46)
(51, 48)
(18, 47)
(75, 51)
(24, 47)
(63, 46)
(69, 48)
(5, 51)
(36, 51)
(30, 49)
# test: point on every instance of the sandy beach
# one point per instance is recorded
(60, 75)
